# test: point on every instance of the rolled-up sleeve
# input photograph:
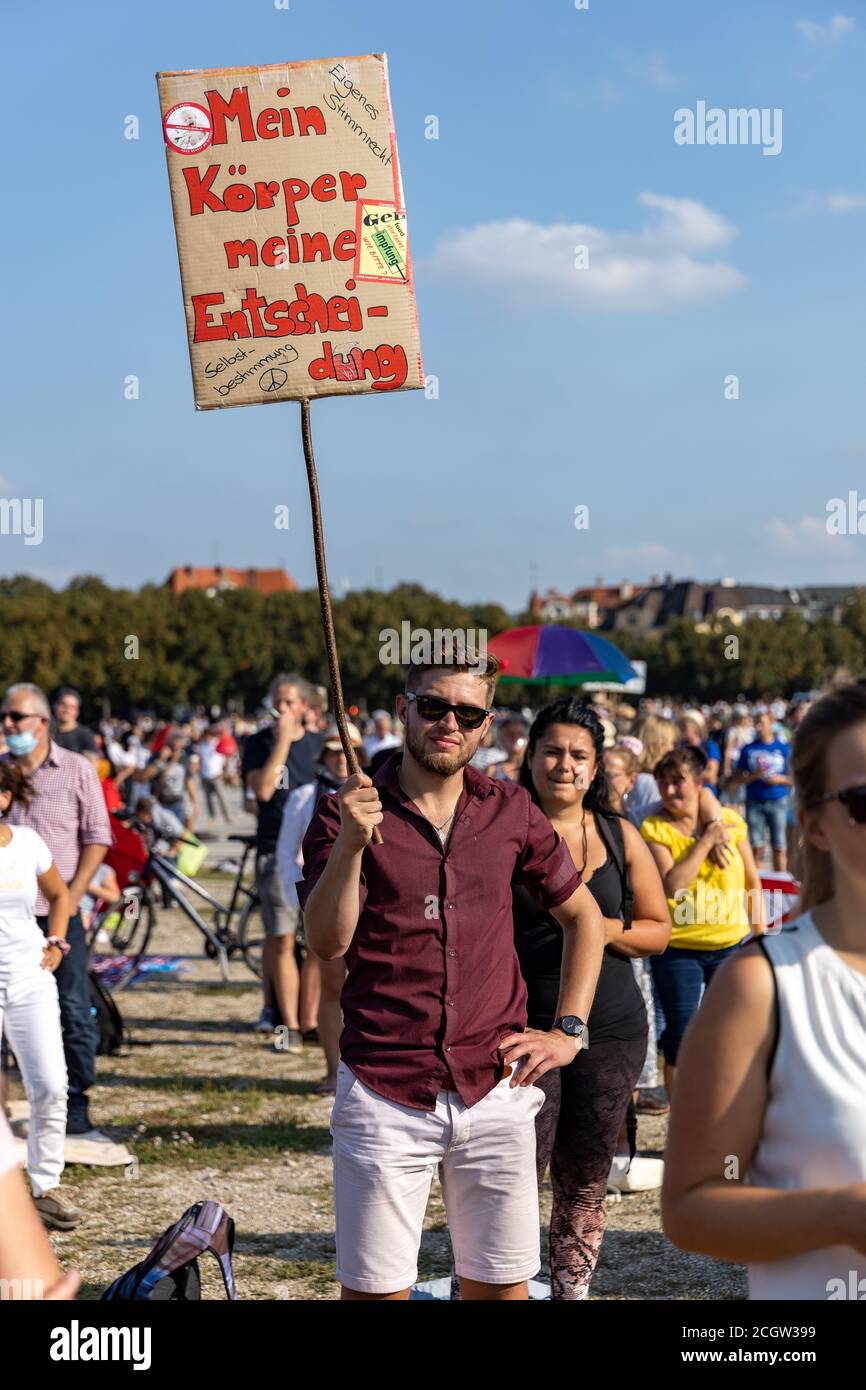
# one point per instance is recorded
(545, 865)
(316, 849)
(94, 827)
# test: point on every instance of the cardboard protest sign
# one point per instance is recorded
(291, 231)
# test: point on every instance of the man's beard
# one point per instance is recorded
(443, 764)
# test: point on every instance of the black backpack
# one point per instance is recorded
(170, 1272)
(107, 1017)
(610, 830)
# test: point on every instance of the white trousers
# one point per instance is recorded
(30, 1018)
(385, 1158)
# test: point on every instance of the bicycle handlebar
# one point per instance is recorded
(131, 819)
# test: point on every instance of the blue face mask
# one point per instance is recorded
(21, 744)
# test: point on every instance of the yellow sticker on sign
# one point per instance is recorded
(382, 248)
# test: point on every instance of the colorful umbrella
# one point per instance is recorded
(548, 654)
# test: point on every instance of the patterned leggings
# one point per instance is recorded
(576, 1132)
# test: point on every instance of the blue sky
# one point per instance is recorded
(557, 387)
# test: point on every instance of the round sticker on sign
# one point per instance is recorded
(188, 127)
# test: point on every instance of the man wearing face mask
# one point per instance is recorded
(68, 810)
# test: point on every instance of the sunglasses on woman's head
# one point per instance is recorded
(854, 801)
(432, 709)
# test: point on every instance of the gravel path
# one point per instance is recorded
(211, 1110)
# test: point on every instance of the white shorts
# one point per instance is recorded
(385, 1158)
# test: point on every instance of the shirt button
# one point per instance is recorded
(448, 1047)
(450, 1001)
(452, 953)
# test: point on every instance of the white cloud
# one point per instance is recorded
(832, 32)
(631, 72)
(809, 534)
(650, 556)
(650, 68)
(658, 267)
(845, 202)
(839, 202)
(819, 554)
(599, 93)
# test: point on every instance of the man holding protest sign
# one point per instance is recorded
(438, 1065)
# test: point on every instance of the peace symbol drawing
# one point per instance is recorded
(273, 379)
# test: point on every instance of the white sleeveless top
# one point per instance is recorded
(814, 1130)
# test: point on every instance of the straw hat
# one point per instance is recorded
(331, 741)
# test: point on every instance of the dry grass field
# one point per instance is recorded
(211, 1110)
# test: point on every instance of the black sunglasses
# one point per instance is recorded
(432, 709)
(854, 801)
(16, 716)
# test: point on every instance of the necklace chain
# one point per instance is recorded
(440, 829)
(437, 828)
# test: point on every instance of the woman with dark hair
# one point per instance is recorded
(29, 1007)
(767, 1148)
(712, 905)
(577, 1127)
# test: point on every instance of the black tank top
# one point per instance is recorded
(618, 1011)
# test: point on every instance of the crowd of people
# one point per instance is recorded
(492, 985)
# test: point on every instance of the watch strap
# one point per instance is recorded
(583, 1031)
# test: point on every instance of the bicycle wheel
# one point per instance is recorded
(118, 946)
(251, 935)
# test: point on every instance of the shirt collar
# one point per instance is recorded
(476, 783)
(50, 760)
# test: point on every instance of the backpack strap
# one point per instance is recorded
(210, 1229)
(204, 1226)
(221, 1242)
(610, 830)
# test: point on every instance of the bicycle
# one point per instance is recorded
(124, 928)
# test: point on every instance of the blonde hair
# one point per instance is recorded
(840, 709)
(694, 716)
(658, 737)
(627, 757)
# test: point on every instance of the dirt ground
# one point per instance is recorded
(210, 1110)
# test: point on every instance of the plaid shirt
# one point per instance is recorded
(67, 810)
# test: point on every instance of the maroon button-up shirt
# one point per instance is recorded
(434, 983)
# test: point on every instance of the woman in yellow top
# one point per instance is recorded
(712, 907)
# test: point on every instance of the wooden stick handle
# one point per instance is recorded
(325, 600)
